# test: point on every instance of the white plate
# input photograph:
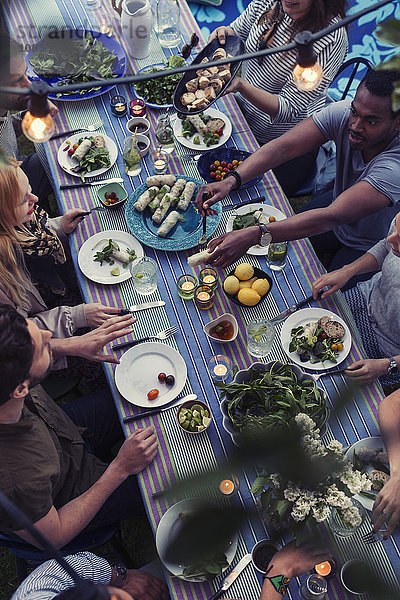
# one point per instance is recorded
(374, 443)
(165, 532)
(67, 163)
(268, 211)
(307, 315)
(101, 273)
(138, 369)
(188, 142)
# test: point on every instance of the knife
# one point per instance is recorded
(229, 579)
(71, 186)
(239, 204)
(154, 411)
(289, 311)
(136, 307)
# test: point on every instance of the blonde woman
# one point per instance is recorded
(23, 230)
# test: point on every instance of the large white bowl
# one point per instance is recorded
(225, 317)
(244, 375)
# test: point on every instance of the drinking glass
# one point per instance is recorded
(165, 134)
(260, 336)
(340, 527)
(131, 157)
(144, 275)
(168, 23)
(277, 255)
(314, 588)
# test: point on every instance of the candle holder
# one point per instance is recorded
(204, 297)
(159, 162)
(220, 367)
(209, 276)
(186, 286)
(118, 106)
(137, 108)
(229, 486)
(326, 569)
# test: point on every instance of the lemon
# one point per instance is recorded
(231, 285)
(115, 271)
(248, 296)
(261, 286)
(244, 271)
(245, 284)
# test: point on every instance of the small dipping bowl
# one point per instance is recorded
(262, 553)
(225, 317)
(189, 405)
(142, 124)
(119, 190)
(143, 144)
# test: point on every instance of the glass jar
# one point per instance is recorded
(204, 297)
(131, 157)
(209, 276)
(186, 286)
(339, 526)
(314, 588)
(165, 134)
(168, 23)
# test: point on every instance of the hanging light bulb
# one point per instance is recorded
(38, 124)
(307, 74)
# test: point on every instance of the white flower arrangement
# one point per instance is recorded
(292, 502)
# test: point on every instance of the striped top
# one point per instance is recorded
(275, 73)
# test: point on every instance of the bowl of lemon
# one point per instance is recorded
(247, 285)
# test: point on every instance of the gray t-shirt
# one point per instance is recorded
(382, 297)
(382, 173)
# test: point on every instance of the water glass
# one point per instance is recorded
(314, 588)
(340, 527)
(131, 157)
(260, 336)
(277, 255)
(144, 275)
(168, 23)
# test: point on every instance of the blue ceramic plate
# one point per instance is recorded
(183, 236)
(223, 154)
(160, 67)
(119, 67)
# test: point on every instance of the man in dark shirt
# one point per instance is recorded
(45, 465)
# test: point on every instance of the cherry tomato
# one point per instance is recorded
(170, 380)
(339, 346)
(230, 166)
(218, 177)
(271, 219)
(323, 336)
(213, 175)
(223, 163)
(240, 162)
(217, 163)
(213, 168)
(223, 175)
(334, 347)
(235, 163)
(225, 170)
(152, 394)
(219, 131)
(71, 151)
(162, 377)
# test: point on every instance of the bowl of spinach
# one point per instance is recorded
(266, 397)
(158, 93)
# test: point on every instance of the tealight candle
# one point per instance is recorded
(186, 286)
(204, 297)
(159, 161)
(137, 108)
(209, 276)
(118, 106)
(326, 568)
(220, 367)
(220, 370)
(228, 487)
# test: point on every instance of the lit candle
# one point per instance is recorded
(208, 279)
(323, 568)
(187, 286)
(119, 107)
(227, 487)
(203, 296)
(220, 370)
(159, 163)
(137, 108)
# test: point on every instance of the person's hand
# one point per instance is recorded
(367, 370)
(71, 218)
(53, 108)
(232, 246)
(96, 313)
(334, 280)
(91, 344)
(293, 560)
(144, 586)
(386, 507)
(137, 451)
(216, 191)
(221, 33)
(233, 86)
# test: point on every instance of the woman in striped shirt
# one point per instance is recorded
(271, 103)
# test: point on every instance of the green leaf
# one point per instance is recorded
(258, 485)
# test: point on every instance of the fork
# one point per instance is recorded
(190, 156)
(161, 335)
(372, 537)
(335, 372)
(93, 127)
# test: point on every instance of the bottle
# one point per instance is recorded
(168, 23)
(165, 134)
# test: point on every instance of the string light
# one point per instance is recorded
(307, 74)
(38, 124)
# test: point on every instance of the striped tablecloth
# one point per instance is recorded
(180, 454)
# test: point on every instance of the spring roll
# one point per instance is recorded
(200, 126)
(82, 149)
(178, 188)
(168, 223)
(145, 198)
(161, 180)
(187, 195)
(166, 202)
(200, 258)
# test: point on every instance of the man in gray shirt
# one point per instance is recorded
(367, 187)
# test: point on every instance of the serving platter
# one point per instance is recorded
(373, 443)
(67, 163)
(267, 210)
(183, 235)
(307, 315)
(138, 369)
(189, 143)
(101, 273)
(119, 66)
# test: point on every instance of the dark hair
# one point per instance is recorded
(86, 591)
(319, 16)
(382, 83)
(16, 351)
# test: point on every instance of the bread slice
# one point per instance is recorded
(334, 329)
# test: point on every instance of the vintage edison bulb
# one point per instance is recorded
(38, 129)
(307, 78)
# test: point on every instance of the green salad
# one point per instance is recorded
(160, 91)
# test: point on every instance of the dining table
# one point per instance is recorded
(180, 454)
